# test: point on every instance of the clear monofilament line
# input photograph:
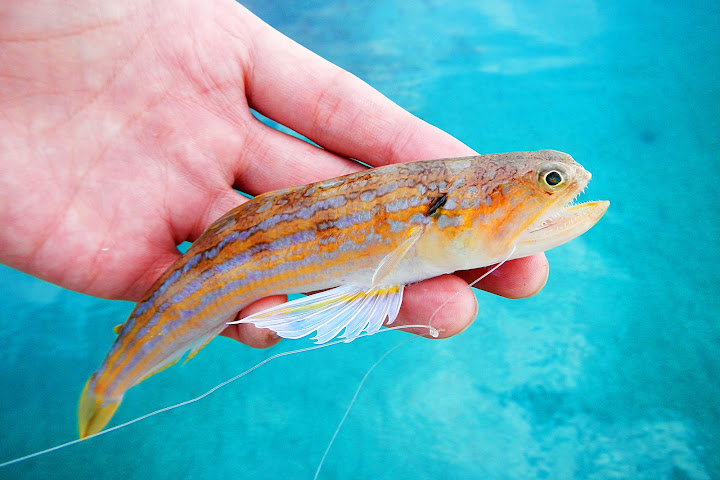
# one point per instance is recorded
(209, 392)
(357, 392)
(433, 332)
(429, 324)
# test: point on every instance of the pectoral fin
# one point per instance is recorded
(327, 313)
(392, 259)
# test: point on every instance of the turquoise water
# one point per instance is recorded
(611, 372)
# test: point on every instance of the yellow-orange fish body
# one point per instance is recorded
(364, 236)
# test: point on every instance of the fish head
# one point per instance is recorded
(523, 203)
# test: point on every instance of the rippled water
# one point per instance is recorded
(611, 372)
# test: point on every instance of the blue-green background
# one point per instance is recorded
(611, 372)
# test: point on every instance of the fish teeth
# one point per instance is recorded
(550, 220)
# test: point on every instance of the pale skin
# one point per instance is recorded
(124, 127)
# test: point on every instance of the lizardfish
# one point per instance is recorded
(358, 239)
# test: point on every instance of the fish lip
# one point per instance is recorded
(561, 223)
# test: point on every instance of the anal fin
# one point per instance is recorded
(200, 345)
(162, 366)
(194, 348)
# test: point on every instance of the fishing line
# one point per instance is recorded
(214, 389)
(429, 325)
(433, 332)
(352, 402)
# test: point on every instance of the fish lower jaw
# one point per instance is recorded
(563, 225)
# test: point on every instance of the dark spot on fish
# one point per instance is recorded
(436, 204)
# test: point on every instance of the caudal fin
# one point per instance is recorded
(94, 412)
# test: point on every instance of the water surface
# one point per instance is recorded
(611, 372)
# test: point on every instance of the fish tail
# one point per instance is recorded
(94, 411)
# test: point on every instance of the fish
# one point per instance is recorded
(357, 240)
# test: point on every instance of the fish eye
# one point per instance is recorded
(551, 178)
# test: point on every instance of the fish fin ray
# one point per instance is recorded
(194, 351)
(194, 348)
(172, 360)
(328, 313)
(393, 258)
(202, 341)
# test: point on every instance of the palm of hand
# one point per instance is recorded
(125, 173)
(126, 131)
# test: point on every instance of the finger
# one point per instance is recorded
(520, 278)
(335, 109)
(248, 333)
(273, 160)
(445, 303)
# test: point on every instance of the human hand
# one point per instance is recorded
(126, 125)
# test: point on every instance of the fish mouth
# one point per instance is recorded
(560, 223)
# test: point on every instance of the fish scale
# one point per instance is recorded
(365, 235)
